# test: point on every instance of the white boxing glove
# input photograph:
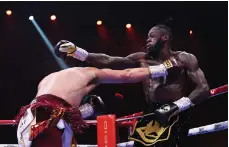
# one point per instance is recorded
(72, 50)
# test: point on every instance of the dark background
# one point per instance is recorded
(25, 59)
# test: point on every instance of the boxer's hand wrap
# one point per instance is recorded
(91, 106)
(183, 103)
(86, 110)
(158, 71)
(80, 54)
(161, 70)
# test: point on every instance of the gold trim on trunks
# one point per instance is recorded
(40, 127)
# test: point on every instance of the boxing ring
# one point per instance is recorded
(107, 126)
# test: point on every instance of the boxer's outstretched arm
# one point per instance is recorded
(106, 61)
(132, 75)
(67, 48)
(201, 91)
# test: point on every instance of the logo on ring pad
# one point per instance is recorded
(149, 132)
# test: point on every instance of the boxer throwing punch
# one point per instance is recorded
(53, 116)
(165, 97)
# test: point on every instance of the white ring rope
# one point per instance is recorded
(123, 144)
(194, 131)
(208, 128)
(94, 122)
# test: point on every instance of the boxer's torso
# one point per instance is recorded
(167, 89)
(70, 84)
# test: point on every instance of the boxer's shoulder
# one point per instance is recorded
(183, 54)
(136, 56)
(189, 60)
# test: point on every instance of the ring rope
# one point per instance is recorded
(208, 128)
(194, 131)
(214, 92)
(123, 144)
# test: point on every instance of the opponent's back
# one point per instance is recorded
(70, 84)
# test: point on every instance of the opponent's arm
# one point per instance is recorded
(66, 48)
(133, 75)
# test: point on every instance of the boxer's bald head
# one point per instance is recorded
(158, 36)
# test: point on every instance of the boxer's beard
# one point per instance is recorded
(154, 51)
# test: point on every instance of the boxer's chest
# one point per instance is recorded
(170, 87)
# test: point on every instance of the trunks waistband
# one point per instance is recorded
(59, 109)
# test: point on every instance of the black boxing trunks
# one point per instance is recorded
(48, 121)
(148, 132)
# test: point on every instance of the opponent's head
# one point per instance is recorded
(158, 36)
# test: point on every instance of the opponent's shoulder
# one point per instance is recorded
(136, 56)
(189, 60)
(46, 78)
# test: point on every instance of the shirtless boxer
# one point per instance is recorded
(160, 93)
(53, 116)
